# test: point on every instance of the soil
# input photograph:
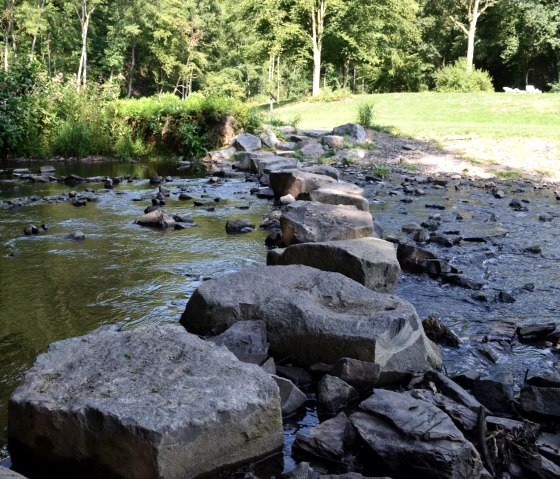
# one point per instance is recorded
(476, 157)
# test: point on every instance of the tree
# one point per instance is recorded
(84, 12)
(473, 10)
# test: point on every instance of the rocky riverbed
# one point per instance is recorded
(478, 257)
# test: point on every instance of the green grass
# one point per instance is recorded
(435, 115)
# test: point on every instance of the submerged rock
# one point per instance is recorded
(157, 219)
(314, 316)
(150, 402)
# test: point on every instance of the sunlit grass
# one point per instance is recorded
(440, 115)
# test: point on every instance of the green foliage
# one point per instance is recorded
(366, 114)
(193, 140)
(554, 87)
(381, 171)
(328, 94)
(455, 78)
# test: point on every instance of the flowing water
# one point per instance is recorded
(52, 288)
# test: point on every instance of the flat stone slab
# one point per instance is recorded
(341, 194)
(314, 316)
(312, 222)
(150, 402)
(296, 183)
(369, 261)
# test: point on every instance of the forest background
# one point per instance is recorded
(134, 77)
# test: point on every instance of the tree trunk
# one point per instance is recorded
(318, 13)
(131, 69)
(7, 33)
(34, 41)
(471, 35)
(84, 17)
(345, 72)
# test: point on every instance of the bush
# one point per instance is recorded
(554, 87)
(455, 78)
(327, 94)
(366, 114)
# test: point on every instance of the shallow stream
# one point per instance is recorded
(53, 288)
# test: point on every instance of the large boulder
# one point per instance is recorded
(414, 438)
(247, 142)
(296, 183)
(247, 340)
(323, 170)
(266, 165)
(341, 194)
(369, 261)
(314, 316)
(351, 131)
(150, 402)
(311, 222)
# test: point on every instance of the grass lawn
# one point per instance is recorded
(441, 115)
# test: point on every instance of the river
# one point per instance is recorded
(53, 288)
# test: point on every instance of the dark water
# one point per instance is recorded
(55, 288)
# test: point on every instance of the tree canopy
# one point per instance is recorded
(278, 49)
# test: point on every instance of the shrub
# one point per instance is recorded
(554, 87)
(366, 114)
(455, 78)
(327, 94)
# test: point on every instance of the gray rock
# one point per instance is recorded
(266, 165)
(323, 170)
(314, 316)
(224, 154)
(316, 133)
(418, 260)
(296, 183)
(462, 416)
(313, 150)
(239, 227)
(248, 161)
(414, 438)
(329, 439)
(369, 261)
(544, 402)
(299, 376)
(333, 141)
(247, 142)
(302, 471)
(495, 391)
(362, 375)
(150, 402)
(269, 366)
(157, 219)
(287, 200)
(286, 129)
(439, 333)
(9, 474)
(30, 230)
(335, 395)
(452, 390)
(269, 138)
(247, 340)
(352, 131)
(311, 222)
(340, 194)
(291, 397)
(77, 236)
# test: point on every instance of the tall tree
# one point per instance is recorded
(471, 10)
(84, 12)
